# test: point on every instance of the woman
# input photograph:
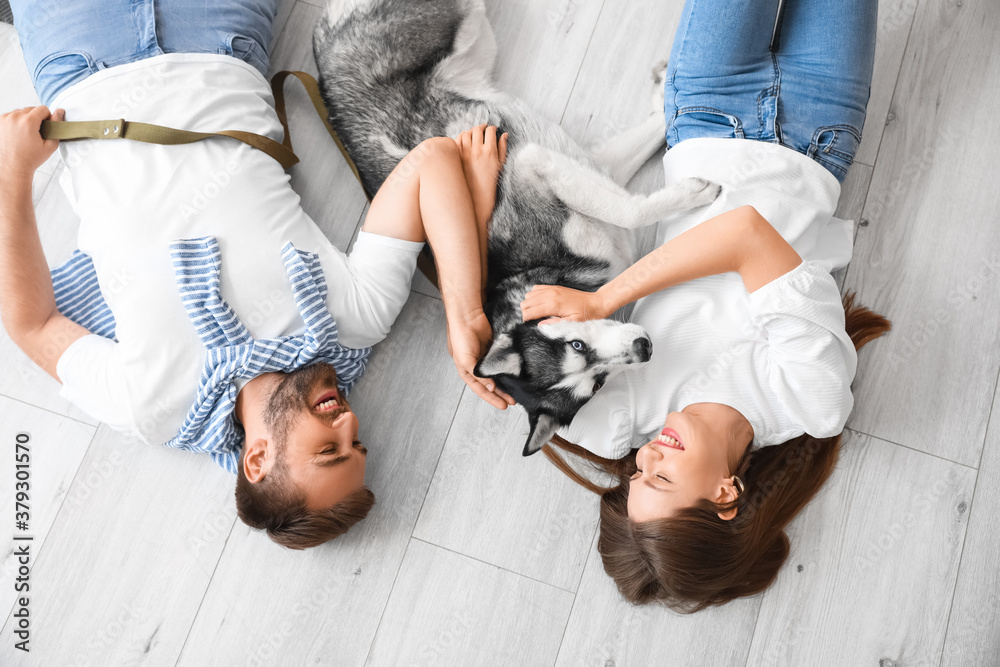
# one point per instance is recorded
(742, 405)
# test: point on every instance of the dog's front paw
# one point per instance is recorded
(699, 191)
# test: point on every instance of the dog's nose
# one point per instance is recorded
(643, 348)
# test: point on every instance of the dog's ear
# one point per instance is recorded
(500, 360)
(543, 427)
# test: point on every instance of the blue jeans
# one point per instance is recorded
(807, 89)
(65, 41)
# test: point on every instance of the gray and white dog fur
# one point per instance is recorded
(396, 72)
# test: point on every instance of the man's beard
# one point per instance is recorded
(293, 394)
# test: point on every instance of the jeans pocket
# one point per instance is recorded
(65, 64)
(692, 122)
(60, 70)
(834, 147)
(246, 49)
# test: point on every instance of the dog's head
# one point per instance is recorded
(553, 369)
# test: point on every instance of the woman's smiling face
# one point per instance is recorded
(686, 463)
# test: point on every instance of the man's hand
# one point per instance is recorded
(482, 159)
(467, 342)
(27, 304)
(562, 303)
(22, 149)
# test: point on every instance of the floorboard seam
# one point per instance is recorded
(857, 226)
(416, 518)
(895, 87)
(989, 420)
(576, 79)
(395, 578)
(958, 572)
(54, 176)
(276, 38)
(53, 412)
(208, 586)
(437, 463)
(576, 596)
(914, 449)
(55, 517)
(597, 533)
(499, 567)
(753, 635)
(965, 538)
(41, 547)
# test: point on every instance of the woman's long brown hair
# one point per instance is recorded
(695, 559)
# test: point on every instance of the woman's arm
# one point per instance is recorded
(482, 158)
(740, 240)
(427, 198)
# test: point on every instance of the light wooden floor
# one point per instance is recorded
(475, 556)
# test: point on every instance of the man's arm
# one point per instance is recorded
(740, 240)
(27, 302)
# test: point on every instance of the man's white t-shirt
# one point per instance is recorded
(135, 199)
(780, 356)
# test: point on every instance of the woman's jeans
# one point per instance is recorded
(65, 41)
(808, 91)
(724, 80)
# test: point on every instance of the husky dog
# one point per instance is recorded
(396, 72)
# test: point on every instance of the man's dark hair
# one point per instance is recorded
(276, 505)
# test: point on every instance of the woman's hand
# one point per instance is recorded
(563, 303)
(482, 159)
(468, 341)
(22, 149)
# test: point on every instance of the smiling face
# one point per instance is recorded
(689, 461)
(319, 435)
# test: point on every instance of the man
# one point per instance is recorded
(188, 244)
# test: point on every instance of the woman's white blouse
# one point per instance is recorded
(780, 356)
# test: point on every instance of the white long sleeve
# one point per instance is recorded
(780, 356)
(810, 359)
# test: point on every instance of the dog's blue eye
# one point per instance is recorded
(577, 345)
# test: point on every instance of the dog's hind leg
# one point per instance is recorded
(593, 194)
(624, 154)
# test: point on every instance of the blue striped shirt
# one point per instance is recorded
(231, 352)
